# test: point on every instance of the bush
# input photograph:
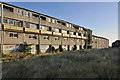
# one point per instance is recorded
(4, 55)
(26, 48)
(57, 50)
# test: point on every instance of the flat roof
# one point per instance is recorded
(42, 14)
(100, 37)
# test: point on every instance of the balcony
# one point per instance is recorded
(31, 30)
(11, 27)
(56, 33)
(65, 35)
(46, 32)
(74, 36)
(79, 37)
(84, 37)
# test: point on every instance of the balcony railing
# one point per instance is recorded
(57, 33)
(65, 35)
(79, 37)
(46, 32)
(74, 36)
(31, 30)
(84, 37)
(11, 27)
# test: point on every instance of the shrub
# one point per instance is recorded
(26, 48)
(57, 50)
(4, 55)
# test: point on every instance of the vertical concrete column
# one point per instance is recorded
(1, 41)
(1, 31)
(39, 33)
(23, 31)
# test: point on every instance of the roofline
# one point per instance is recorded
(100, 37)
(41, 14)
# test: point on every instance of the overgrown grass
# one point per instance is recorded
(73, 64)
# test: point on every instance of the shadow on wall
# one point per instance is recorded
(17, 49)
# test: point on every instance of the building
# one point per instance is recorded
(99, 42)
(116, 43)
(20, 25)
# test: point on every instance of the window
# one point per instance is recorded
(71, 32)
(35, 16)
(27, 25)
(58, 22)
(76, 27)
(5, 21)
(53, 21)
(65, 39)
(84, 35)
(44, 28)
(50, 29)
(15, 35)
(60, 30)
(49, 20)
(55, 30)
(67, 24)
(33, 36)
(11, 34)
(43, 18)
(33, 26)
(19, 23)
(11, 22)
(79, 34)
(56, 38)
(63, 24)
(27, 14)
(6, 8)
(67, 32)
(74, 33)
(84, 30)
(30, 36)
(70, 25)
(20, 12)
(63, 31)
(46, 37)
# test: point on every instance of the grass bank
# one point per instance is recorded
(73, 64)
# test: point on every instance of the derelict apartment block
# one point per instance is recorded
(99, 42)
(20, 25)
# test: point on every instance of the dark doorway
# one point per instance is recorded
(68, 48)
(80, 47)
(75, 47)
(37, 49)
(60, 47)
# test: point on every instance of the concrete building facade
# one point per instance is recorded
(99, 42)
(19, 25)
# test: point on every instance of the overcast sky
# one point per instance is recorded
(101, 17)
